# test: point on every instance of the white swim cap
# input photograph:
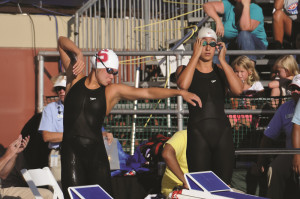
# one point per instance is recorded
(60, 81)
(108, 57)
(207, 32)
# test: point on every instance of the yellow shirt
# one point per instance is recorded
(169, 180)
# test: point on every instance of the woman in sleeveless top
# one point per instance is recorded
(209, 135)
(88, 100)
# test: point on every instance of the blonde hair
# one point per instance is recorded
(248, 65)
(287, 62)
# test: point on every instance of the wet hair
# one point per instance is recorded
(287, 62)
(248, 65)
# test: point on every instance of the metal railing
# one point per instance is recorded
(179, 54)
(132, 24)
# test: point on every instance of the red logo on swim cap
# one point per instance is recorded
(103, 55)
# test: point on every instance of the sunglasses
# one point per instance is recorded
(58, 88)
(108, 70)
(212, 44)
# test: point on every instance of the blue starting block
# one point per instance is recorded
(88, 192)
(207, 185)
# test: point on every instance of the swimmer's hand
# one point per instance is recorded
(221, 48)
(79, 66)
(191, 98)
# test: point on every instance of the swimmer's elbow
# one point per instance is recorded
(59, 41)
(240, 91)
(182, 86)
(237, 92)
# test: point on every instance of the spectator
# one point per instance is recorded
(242, 24)
(209, 146)
(279, 181)
(51, 126)
(244, 68)
(284, 69)
(89, 99)
(284, 20)
(12, 183)
(296, 144)
(174, 154)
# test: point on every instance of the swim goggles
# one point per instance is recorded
(108, 70)
(212, 43)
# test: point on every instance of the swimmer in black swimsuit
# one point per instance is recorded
(209, 134)
(88, 100)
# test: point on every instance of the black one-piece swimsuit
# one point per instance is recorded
(83, 155)
(209, 137)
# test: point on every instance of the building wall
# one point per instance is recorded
(22, 37)
(31, 31)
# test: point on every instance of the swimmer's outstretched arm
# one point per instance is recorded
(116, 92)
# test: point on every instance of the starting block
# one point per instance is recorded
(88, 192)
(207, 185)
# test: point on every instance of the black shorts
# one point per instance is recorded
(295, 31)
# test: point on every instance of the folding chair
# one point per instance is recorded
(41, 177)
(88, 192)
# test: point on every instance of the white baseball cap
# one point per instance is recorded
(60, 81)
(296, 81)
(207, 32)
(108, 57)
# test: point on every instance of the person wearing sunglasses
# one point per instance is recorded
(51, 125)
(88, 100)
(209, 134)
(281, 182)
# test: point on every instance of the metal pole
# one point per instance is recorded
(76, 33)
(260, 151)
(40, 100)
(147, 21)
(168, 99)
(179, 101)
(133, 132)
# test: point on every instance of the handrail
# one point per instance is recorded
(186, 112)
(43, 54)
(180, 52)
(263, 151)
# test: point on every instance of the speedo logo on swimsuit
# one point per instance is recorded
(213, 81)
(92, 98)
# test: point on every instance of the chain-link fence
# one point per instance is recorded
(247, 127)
